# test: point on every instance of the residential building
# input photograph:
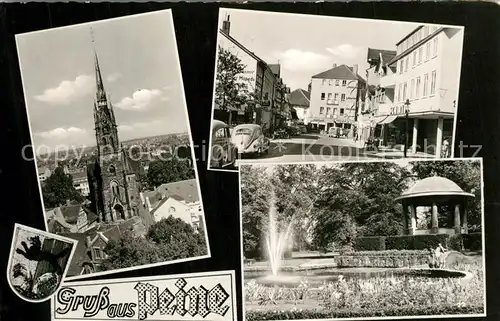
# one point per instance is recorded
(299, 103)
(426, 82)
(81, 182)
(335, 96)
(43, 173)
(71, 218)
(378, 99)
(260, 80)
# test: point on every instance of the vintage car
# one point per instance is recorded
(249, 139)
(224, 152)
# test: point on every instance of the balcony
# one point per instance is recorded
(388, 81)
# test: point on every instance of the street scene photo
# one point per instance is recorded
(38, 263)
(293, 87)
(344, 240)
(112, 143)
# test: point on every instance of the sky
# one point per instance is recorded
(140, 69)
(306, 45)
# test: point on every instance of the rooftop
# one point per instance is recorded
(434, 186)
(342, 72)
(299, 97)
(187, 190)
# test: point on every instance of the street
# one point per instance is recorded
(315, 147)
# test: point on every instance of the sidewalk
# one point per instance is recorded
(395, 153)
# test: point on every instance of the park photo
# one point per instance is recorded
(344, 240)
(112, 143)
(378, 89)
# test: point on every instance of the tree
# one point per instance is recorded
(255, 199)
(58, 188)
(230, 92)
(167, 171)
(465, 173)
(167, 240)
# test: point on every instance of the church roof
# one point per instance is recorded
(187, 190)
(434, 186)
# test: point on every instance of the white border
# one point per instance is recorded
(480, 159)
(332, 18)
(157, 278)
(20, 227)
(193, 156)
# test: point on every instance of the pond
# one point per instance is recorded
(318, 276)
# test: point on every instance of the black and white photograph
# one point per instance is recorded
(38, 263)
(295, 87)
(377, 239)
(112, 142)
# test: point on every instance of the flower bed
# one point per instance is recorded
(379, 296)
(392, 261)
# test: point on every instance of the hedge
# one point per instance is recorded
(473, 241)
(416, 242)
(387, 253)
(363, 313)
(370, 243)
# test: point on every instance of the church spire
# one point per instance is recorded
(100, 93)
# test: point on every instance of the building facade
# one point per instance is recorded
(81, 182)
(43, 173)
(425, 84)
(299, 102)
(335, 96)
(113, 186)
(263, 84)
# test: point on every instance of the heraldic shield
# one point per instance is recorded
(38, 262)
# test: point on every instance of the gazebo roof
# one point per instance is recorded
(433, 186)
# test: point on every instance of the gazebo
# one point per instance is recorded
(431, 192)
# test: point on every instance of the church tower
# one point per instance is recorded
(114, 187)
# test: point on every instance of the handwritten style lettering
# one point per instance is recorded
(91, 304)
(195, 301)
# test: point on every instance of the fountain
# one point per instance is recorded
(276, 241)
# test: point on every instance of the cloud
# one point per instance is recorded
(114, 77)
(140, 99)
(344, 51)
(61, 132)
(298, 60)
(140, 125)
(68, 91)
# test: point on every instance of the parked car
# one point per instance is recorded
(224, 152)
(303, 129)
(249, 139)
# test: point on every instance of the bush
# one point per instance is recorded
(370, 243)
(363, 313)
(415, 242)
(387, 253)
(473, 241)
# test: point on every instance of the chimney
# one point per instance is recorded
(355, 69)
(334, 65)
(226, 25)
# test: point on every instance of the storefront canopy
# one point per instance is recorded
(387, 120)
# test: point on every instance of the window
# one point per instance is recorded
(171, 209)
(414, 58)
(426, 31)
(400, 66)
(417, 88)
(398, 93)
(342, 97)
(221, 133)
(322, 96)
(404, 91)
(334, 111)
(420, 51)
(330, 82)
(435, 41)
(344, 83)
(412, 89)
(427, 51)
(336, 82)
(112, 170)
(321, 110)
(382, 97)
(426, 81)
(328, 110)
(97, 253)
(341, 111)
(329, 96)
(336, 98)
(433, 83)
(407, 63)
(323, 82)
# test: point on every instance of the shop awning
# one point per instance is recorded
(387, 120)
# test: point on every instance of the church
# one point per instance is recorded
(113, 177)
